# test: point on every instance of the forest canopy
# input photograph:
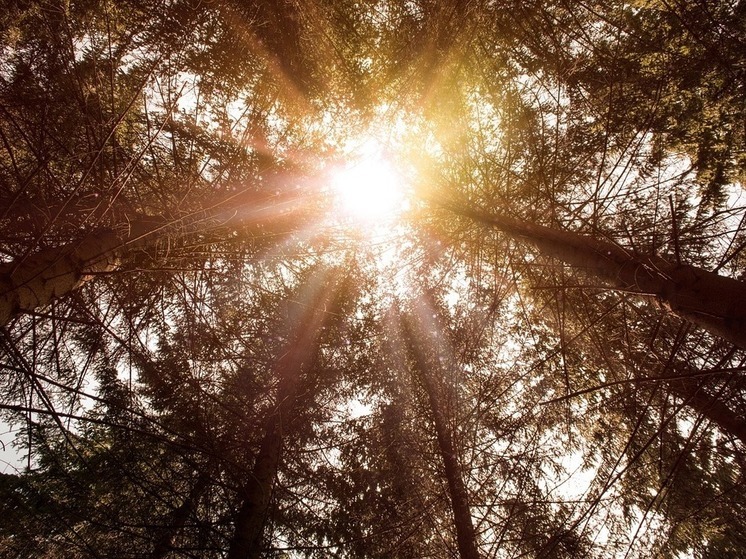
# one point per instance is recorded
(372, 278)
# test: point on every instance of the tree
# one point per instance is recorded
(296, 362)
(422, 338)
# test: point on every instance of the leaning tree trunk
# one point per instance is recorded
(421, 341)
(698, 398)
(713, 302)
(34, 281)
(176, 521)
(690, 384)
(44, 276)
(296, 362)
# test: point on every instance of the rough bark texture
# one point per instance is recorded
(40, 278)
(465, 534)
(292, 367)
(715, 303)
(36, 280)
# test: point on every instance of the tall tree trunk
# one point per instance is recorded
(692, 388)
(715, 303)
(702, 401)
(256, 494)
(42, 277)
(421, 341)
(179, 517)
(292, 368)
(38, 279)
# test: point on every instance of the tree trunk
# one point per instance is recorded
(693, 391)
(256, 494)
(292, 368)
(701, 401)
(179, 517)
(42, 277)
(420, 340)
(715, 303)
(38, 279)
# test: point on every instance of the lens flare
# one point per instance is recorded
(369, 189)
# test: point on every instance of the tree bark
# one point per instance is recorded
(292, 367)
(713, 302)
(179, 517)
(695, 394)
(257, 493)
(465, 534)
(38, 279)
(52, 273)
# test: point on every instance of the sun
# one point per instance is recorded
(369, 189)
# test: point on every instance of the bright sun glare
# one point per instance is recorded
(369, 189)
